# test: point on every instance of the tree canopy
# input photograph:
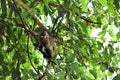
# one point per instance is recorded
(87, 34)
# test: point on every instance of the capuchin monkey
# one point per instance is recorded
(47, 45)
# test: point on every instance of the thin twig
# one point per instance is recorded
(87, 20)
(30, 58)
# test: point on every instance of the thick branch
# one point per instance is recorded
(25, 25)
(30, 13)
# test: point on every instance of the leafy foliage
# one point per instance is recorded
(73, 23)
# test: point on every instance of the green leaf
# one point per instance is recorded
(111, 8)
(60, 75)
(60, 49)
(84, 5)
(4, 8)
(117, 4)
(75, 67)
(111, 69)
(49, 75)
(46, 2)
(46, 7)
(94, 73)
(103, 2)
(79, 56)
(117, 77)
(118, 35)
(109, 73)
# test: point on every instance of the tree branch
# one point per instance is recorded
(30, 13)
(25, 25)
(87, 20)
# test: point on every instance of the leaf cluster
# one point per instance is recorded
(72, 23)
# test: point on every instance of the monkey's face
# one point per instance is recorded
(43, 34)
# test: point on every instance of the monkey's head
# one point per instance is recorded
(43, 34)
(47, 45)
